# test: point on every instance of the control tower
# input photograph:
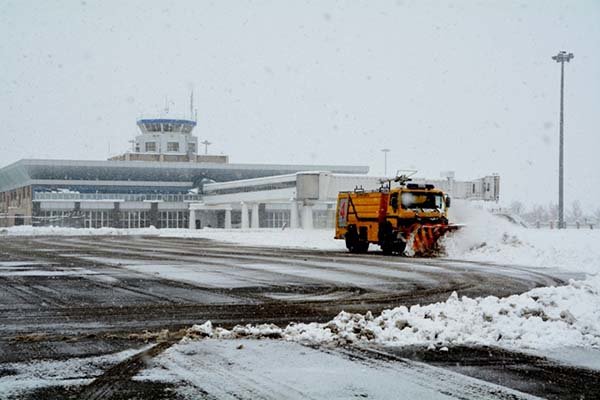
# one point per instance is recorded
(167, 139)
(170, 138)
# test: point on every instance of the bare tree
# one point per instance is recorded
(597, 215)
(516, 207)
(576, 212)
(538, 214)
(553, 211)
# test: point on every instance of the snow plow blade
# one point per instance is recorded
(423, 240)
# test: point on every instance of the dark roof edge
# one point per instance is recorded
(167, 164)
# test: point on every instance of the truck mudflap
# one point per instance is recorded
(423, 239)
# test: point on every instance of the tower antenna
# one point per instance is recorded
(192, 104)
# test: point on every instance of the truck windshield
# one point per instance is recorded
(422, 200)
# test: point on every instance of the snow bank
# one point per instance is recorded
(489, 238)
(28, 230)
(540, 319)
(319, 239)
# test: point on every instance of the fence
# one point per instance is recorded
(568, 225)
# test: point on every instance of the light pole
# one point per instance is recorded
(206, 143)
(385, 153)
(561, 57)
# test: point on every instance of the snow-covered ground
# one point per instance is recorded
(541, 319)
(271, 369)
(25, 376)
(320, 239)
(483, 238)
(488, 238)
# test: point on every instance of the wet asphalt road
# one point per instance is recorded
(63, 297)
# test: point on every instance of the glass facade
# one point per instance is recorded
(135, 219)
(173, 219)
(277, 218)
(171, 197)
(96, 219)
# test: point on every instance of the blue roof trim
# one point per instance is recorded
(166, 121)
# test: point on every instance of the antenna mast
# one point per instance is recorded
(192, 104)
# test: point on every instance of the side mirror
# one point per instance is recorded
(447, 201)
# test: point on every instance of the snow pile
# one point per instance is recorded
(489, 238)
(28, 230)
(542, 318)
(319, 239)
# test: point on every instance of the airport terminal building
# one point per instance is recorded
(121, 194)
(152, 185)
(164, 182)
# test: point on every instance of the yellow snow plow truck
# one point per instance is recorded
(411, 216)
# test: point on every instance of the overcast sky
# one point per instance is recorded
(467, 86)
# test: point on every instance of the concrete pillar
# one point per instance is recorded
(76, 222)
(153, 214)
(227, 219)
(255, 220)
(307, 217)
(244, 216)
(294, 214)
(36, 210)
(115, 215)
(192, 222)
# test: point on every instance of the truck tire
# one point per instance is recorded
(363, 246)
(351, 238)
(387, 248)
(400, 247)
(354, 242)
(390, 247)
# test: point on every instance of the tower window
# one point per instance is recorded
(172, 146)
(150, 147)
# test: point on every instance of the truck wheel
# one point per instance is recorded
(400, 247)
(354, 245)
(363, 247)
(357, 246)
(351, 237)
(387, 248)
(393, 247)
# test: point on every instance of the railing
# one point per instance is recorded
(116, 196)
(568, 225)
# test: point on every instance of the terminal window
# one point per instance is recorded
(172, 146)
(150, 146)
